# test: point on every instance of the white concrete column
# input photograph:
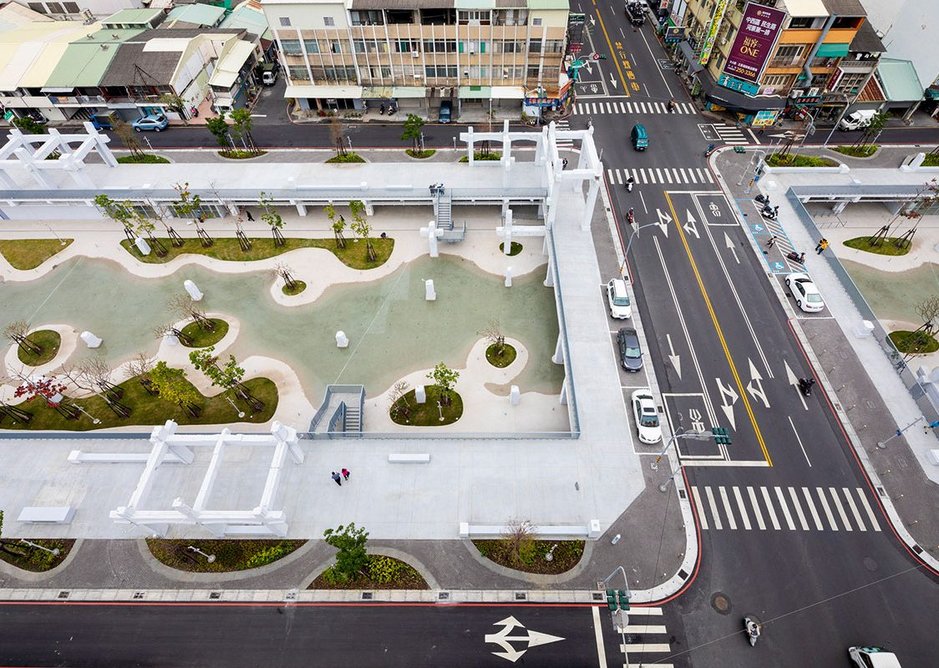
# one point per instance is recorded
(369, 207)
(506, 145)
(301, 208)
(563, 397)
(839, 207)
(558, 356)
(186, 455)
(185, 509)
(470, 145)
(232, 209)
(591, 203)
(549, 275)
(551, 211)
(507, 233)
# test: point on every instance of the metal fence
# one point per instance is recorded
(922, 393)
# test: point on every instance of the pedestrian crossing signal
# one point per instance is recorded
(720, 436)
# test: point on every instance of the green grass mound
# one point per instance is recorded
(916, 343)
(298, 287)
(864, 151)
(240, 154)
(33, 559)
(932, 160)
(354, 255)
(421, 155)
(202, 338)
(799, 160)
(531, 555)
(48, 340)
(407, 411)
(507, 356)
(345, 159)
(143, 159)
(886, 246)
(479, 155)
(380, 572)
(147, 410)
(515, 249)
(24, 254)
(230, 555)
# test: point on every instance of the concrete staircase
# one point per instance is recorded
(340, 413)
(443, 210)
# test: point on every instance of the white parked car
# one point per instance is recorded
(807, 296)
(647, 416)
(618, 299)
(873, 657)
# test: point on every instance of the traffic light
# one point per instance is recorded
(611, 599)
(720, 436)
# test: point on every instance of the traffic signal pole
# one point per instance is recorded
(719, 434)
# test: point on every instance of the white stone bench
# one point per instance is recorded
(47, 514)
(79, 457)
(404, 458)
(559, 531)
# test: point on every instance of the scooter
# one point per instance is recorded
(796, 257)
(709, 150)
(762, 199)
(631, 217)
(753, 630)
(771, 212)
(630, 182)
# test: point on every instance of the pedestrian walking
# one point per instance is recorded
(772, 240)
(346, 473)
(335, 476)
(671, 105)
(248, 215)
(821, 245)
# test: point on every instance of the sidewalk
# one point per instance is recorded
(847, 364)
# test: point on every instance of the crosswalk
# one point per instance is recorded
(731, 135)
(660, 175)
(614, 107)
(647, 639)
(564, 144)
(784, 508)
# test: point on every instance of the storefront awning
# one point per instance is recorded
(508, 92)
(738, 101)
(377, 92)
(832, 51)
(690, 56)
(409, 91)
(475, 92)
(320, 92)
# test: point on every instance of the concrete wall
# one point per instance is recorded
(909, 28)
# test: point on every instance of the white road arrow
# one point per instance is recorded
(663, 222)
(593, 22)
(588, 66)
(731, 247)
(793, 380)
(672, 357)
(613, 81)
(728, 395)
(691, 227)
(504, 640)
(755, 386)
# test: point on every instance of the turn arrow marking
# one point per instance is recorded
(504, 640)
(728, 394)
(691, 226)
(756, 380)
(793, 380)
(663, 222)
(613, 81)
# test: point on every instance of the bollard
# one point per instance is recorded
(342, 341)
(420, 394)
(193, 291)
(429, 293)
(90, 339)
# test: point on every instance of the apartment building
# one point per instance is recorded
(767, 57)
(486, 54)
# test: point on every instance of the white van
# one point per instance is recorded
(618, 299)
(857, 120)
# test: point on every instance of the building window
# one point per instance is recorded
(298, 73)
(367, 17)
(440, 46)
(533, 71)
(536, 22)
(801, 22)
(311, 45)
(851, 82)
(329, 22)
(777, 81)
(284, 21)
(72, 7)
(291, 47)
(407, 46)
(474, 17)
(554, 46)
(55, 8)
(788, 56)
(399, 16)
(534, 46)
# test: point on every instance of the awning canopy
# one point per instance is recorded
(475, 92)
(508, 92)
(690, 56)
(409, 91)
(832, 51)
(738, 101)
(376, 92)
(318, 92)
(898, 80)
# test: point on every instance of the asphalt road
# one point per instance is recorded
(819, 581)
(235, 636)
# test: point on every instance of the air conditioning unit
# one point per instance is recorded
(813, 92)
(415, 54)
(796, 92)
(418, 76)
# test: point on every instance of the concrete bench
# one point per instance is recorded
(47, 514)
(402, 458)
(551, 532)
(79, 457)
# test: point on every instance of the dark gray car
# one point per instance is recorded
(630, 354)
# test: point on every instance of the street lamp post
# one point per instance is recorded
(715, 433)
(629, 243)
(54, 552)
(208, 557)
(899, 432)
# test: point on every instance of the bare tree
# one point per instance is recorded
(165, 330)
(493, 334)
(99, 371)
(282, 270)
(160, 214)
(519, 540)
(185, 307)
(335, 134)
(76, 374)
(15, 413)
(140, 368)
(400, 406)
(128, 138)
(17, 331)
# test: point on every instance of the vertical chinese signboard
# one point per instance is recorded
(759, 30)
(711, 33)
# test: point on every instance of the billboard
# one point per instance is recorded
(710, 34)
(753, 45)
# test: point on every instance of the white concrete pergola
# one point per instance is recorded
(168, 446)
(20, 152)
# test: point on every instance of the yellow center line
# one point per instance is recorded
(613, 52)
(720, 333)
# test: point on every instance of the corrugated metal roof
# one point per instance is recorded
(246, 17)
(197, 15)
(867, 41)
(899, 81)
(402, 4)
(230, 64)
(806, 8)
(844, 7)
(85, 61)
(30, 53)
(133, 17)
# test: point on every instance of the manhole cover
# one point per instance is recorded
(721, 603)
(870, 564)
